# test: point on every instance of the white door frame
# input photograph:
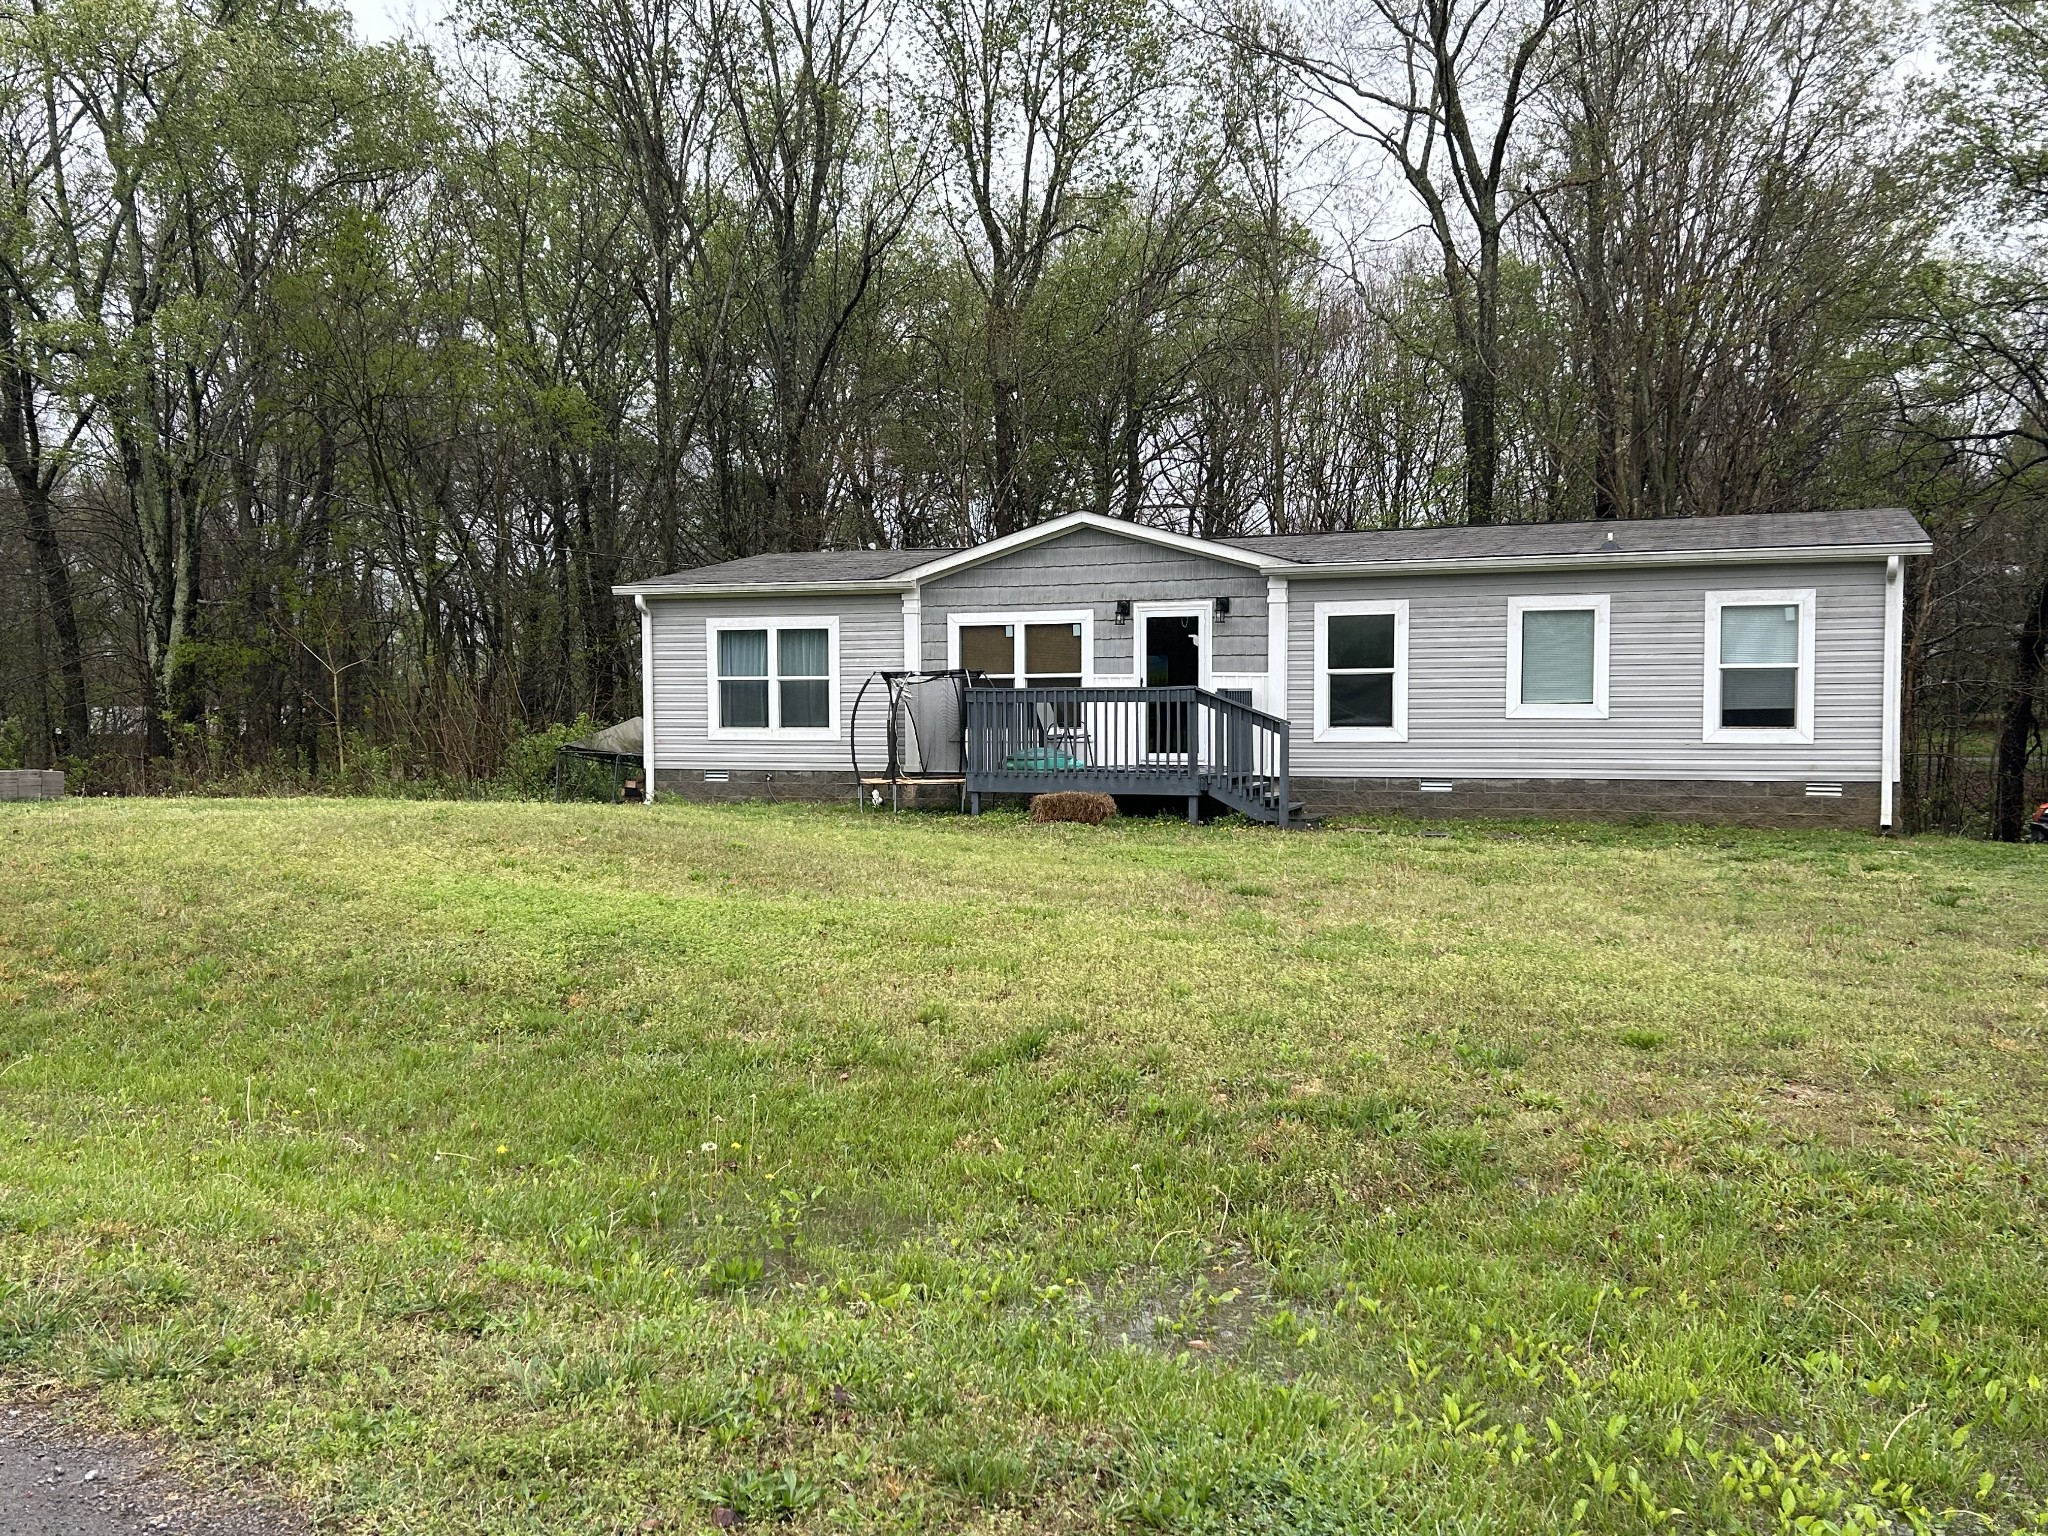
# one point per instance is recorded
(1205, 610)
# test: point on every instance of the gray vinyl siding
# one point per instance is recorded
(870, 639)
(1457, 679)
(1091, 569)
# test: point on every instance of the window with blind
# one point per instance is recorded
(1759, 666)
(773, 676)
(1052, 655)
(990, 649)
(1557, 657)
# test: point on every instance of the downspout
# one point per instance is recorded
(647, 745)
(1894, 653)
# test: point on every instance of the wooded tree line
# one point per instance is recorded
(339, 382)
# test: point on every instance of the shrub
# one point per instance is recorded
(528, 772)
(1073, 805)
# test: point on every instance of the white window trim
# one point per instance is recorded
(1598, 603)
(1325, 731)
(1759, 735)
(1085, 617)
(775, 731)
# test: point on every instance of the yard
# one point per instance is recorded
(523, 1168)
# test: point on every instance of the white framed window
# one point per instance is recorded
(773, 678)
(1017, 650)
(1557, 657)
(1362, 671)
(1759, 682)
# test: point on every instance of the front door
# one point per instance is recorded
(1173, 659)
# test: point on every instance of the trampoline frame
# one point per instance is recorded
(894, 777)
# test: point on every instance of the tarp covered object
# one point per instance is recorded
(622, 740)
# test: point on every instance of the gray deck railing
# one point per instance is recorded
(1131, 741)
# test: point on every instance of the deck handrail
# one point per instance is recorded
(1176, 741)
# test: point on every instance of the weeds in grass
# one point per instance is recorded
(161, 1351)
(783, 1494)
(31, 1315)
(730, 1273)
(1027, 1044)
(977, 1463)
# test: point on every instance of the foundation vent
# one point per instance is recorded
(716, 776)
(1823, 791)
(1436, 786)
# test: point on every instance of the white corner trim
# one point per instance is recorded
(913, 630)
(1711, 728)
(1325, 731)
(1894, 670)
(1019, 617)
(829, 622)
(1278, 635)
(1600, 605)
(648, 740)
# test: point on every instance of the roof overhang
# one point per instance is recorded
(1023, 538)
(881, 585)
(910, 580)
(1455, 565)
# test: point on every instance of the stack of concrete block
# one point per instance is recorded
(31, 784)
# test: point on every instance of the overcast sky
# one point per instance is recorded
(381, 20)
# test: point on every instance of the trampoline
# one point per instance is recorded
(926, 732)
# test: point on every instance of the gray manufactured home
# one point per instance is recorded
(1735, 669)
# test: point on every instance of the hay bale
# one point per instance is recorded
(1073, 805)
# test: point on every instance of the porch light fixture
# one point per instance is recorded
(1123, 610)
(1222, 607)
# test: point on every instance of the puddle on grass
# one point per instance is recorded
(1213, 1313)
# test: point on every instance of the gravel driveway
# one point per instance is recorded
(58, 1479)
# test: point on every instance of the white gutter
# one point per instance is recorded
(1894, 666)
(646, 700)
(1595, 560)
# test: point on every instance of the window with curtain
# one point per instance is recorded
(1360, 670)
(803, 671)
(773, 677)
(1760, 665)
(743, 679)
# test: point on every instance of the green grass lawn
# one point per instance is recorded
(523, 1168)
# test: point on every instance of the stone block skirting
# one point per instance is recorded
(1718, 802)
(721, 784)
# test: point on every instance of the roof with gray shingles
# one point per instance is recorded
(820, 565)
(1674, 535)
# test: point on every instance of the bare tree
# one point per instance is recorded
(1038, 100)
(1441, 89)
